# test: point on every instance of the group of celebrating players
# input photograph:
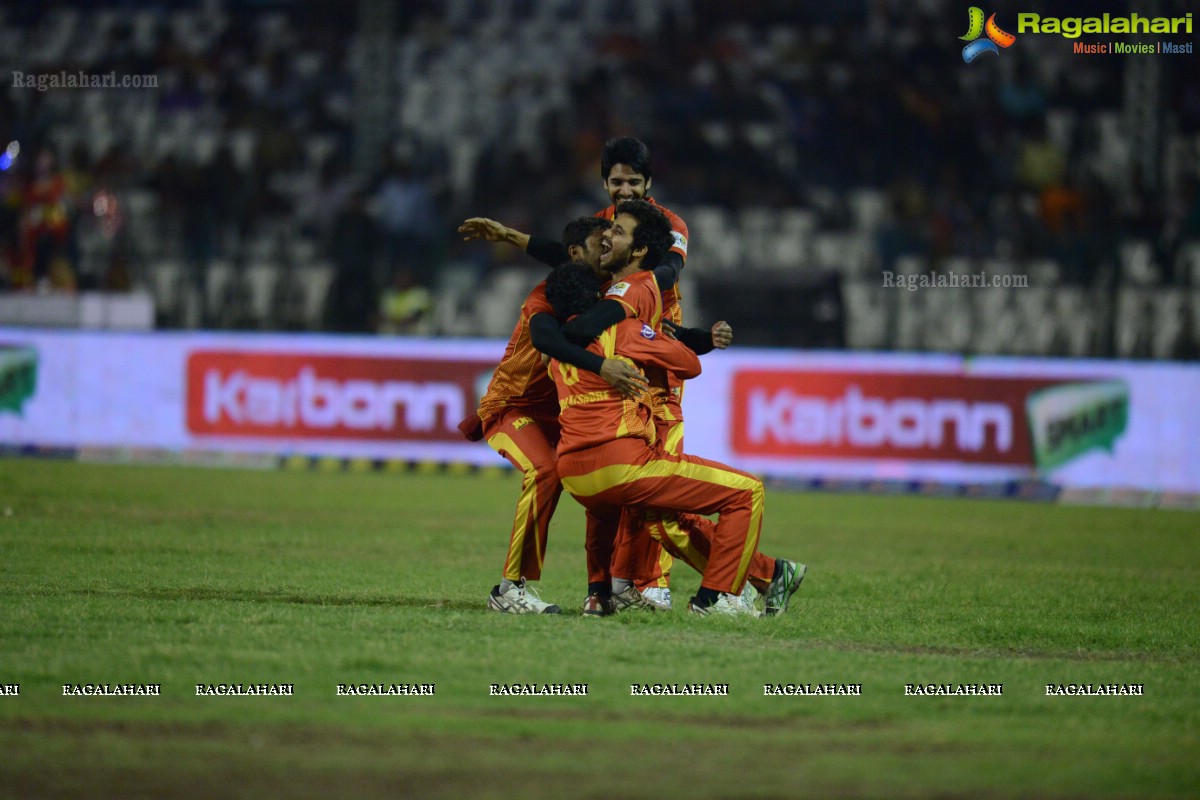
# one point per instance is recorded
(588, 396)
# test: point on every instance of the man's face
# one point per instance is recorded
(591, 252)
(617, 246)
(625, 184)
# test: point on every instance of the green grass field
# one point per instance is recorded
(180, 576)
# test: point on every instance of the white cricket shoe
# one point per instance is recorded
(749, 598)
(520, 599)
(659, 596)
(727, 605)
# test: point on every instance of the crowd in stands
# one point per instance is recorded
(860, 115)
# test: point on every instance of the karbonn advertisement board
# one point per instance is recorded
(1077, 424)
(289, 395)
(1029, 423)
(271, 394)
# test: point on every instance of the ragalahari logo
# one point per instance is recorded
(996, 38)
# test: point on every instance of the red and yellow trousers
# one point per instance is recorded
(628, 472)
(648, 542)
(685, 537)
(639, 553)
(529, 443)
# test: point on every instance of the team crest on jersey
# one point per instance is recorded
(618, 289)
(680, 241)
(647, 331)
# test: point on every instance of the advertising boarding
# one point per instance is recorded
(783, 414)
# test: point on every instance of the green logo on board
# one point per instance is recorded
(18, 376)
(1070, 419)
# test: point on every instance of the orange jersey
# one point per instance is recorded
(520, 379)
(670, 297)
(639, 294)
(592, 412)
(668, 396)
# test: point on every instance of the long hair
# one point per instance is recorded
(653, 230)
(572, 288)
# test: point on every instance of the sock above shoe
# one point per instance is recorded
(620, 584)
(705, 597)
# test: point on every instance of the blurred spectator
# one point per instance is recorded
(45, 228)
(1182, 225)
(904, 232)
(406, 219)
(954, 229)
(1023, 98)
(10, 227)
(1040, 161)
(1144, 330)
(405, 305)
(352, 302)
(77, 178)
(186, 199)
(1186, 345)
(227, 188)
(317, 208)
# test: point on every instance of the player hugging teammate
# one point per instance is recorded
(606, 421)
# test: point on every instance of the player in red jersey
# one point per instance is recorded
(631, 248)
(625, 168)
(518, 416)
(638, 558)
(610, 458)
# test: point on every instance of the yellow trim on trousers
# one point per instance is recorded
(526, 506)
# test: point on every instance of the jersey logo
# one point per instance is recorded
(680, 241)
(618, 289)
(647, 331)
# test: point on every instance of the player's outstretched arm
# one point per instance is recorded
(699, 340)
(549, 252)
(548, 339)
(491, 231)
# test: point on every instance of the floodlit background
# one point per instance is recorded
(303, 166)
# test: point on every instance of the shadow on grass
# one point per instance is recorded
(240, 595)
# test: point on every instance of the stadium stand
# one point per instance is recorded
(845, 140)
